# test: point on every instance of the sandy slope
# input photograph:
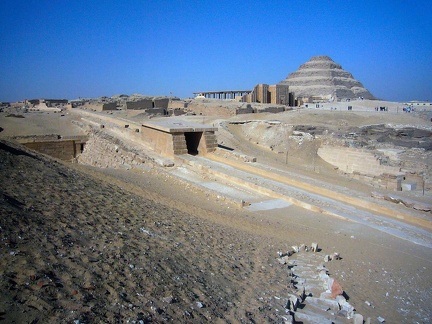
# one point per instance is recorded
(74, 247)
(81, 246)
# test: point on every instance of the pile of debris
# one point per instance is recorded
(318, 298)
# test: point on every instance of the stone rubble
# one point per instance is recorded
(318, 298)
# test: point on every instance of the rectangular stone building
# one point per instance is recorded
(274, 94)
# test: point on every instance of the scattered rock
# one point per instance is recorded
(293, 302)
(336, 289)
(314, 247)
(15, 116)
(306, 275)
(168, 300)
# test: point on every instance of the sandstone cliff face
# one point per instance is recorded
(322, 77)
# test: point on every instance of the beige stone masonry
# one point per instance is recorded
(352, 160)
(167, 137)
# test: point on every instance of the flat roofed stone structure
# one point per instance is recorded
(65, 148)
(174, 137)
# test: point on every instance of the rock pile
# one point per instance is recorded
(103, 151)
(318, 298)
(323, 78)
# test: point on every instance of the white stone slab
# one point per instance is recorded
(268, 204)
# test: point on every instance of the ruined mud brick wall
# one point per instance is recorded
(140, 104)
(156, 111)
(109, 106)
(177, 104)
(269, 109)
(161, 103)
(61, 149)
(176, 111)
(210, 110)
(100, 106)
(245, 110)
(204, 109)
(390, 181)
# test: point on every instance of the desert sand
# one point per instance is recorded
(84, 244)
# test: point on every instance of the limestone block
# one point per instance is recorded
(314, 247)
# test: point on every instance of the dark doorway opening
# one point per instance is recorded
(192, 142)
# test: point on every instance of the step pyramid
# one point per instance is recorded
(323, 78)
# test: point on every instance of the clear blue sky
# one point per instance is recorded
(71, 48)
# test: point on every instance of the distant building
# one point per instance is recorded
(262, 93)
(48, 102)
(274, 94)
(99, 106)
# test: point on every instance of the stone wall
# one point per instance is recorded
(260, 93)
(176, 111)
(177, 104)
(140, 104)
(61, 149)
(161, 102)
(163, 142)
(219, 108)
(274, 109)
(100, 106)
(171, 144)
(156, 111)
(279, 94)
(208, 143)
(363, 165)
(211, 110)
(350, 160)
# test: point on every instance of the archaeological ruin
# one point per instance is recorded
(322, 79)
(171, 137)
